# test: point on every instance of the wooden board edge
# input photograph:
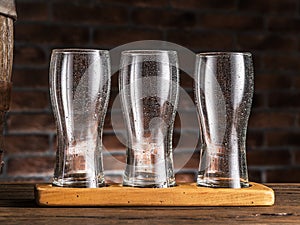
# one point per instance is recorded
(187, 194)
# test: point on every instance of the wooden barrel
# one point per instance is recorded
(7, 17)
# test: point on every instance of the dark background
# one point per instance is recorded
(269, 29)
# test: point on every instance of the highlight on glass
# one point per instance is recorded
(223, 90)
(79, 90)
(149, 84)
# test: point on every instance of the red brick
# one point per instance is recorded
(269, 6)
(117, 123)
(184, 177)
(113, 179)
(255, 176)
(268, 158)
(34, 165)
(112, 98)
(31, 123)
(167, 18)
(30, 77)
(257, 61)
(186, 160)
(114, 162)
(113, 37)
(271, 120)
(297, 157)
(296, 82)
(274, 81)
(29, 101)
(230, 21)
(285, 99)
(29, 56)
(107, 122)
(89, 14)
(36, 179)
(261, 41)
(206, 41)
(188, 140)
(267, 28)
(284, 24)
(115, 81)
(52, 34)
(258, 100)
(186, 80)
(202, 5)
(32, 11)
(114, 121)
(290, 175)
(140, 3)
(282, 138)
(112, 143)
(186, 101)
(186, 120)
(284, 62)
(21, 144)
(254, 139)
(298, 119)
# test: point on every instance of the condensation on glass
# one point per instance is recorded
(149, 84)
(79, 89)
(223, 90)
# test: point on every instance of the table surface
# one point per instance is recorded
(17, 206)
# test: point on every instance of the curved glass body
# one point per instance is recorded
(223, 90)
(79, 89)
(149, 85)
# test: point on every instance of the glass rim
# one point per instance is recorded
(215, 54)
(78, 50)
(147, 52)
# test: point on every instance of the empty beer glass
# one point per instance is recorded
(79, 89)
(149, 85)
(223, 90)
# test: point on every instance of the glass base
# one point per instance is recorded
(79, 180)
(146, 180)
(219, 182)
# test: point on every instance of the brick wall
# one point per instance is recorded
(270, 29)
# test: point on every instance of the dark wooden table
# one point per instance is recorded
(17, 206)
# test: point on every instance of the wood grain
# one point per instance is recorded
(6, 62)
(181, 195)
(6, 47)
(17, 206)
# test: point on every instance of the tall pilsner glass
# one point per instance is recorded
(223, 89)
(79, 89)
(149, 94)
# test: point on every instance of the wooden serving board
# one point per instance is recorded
(187, 194)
